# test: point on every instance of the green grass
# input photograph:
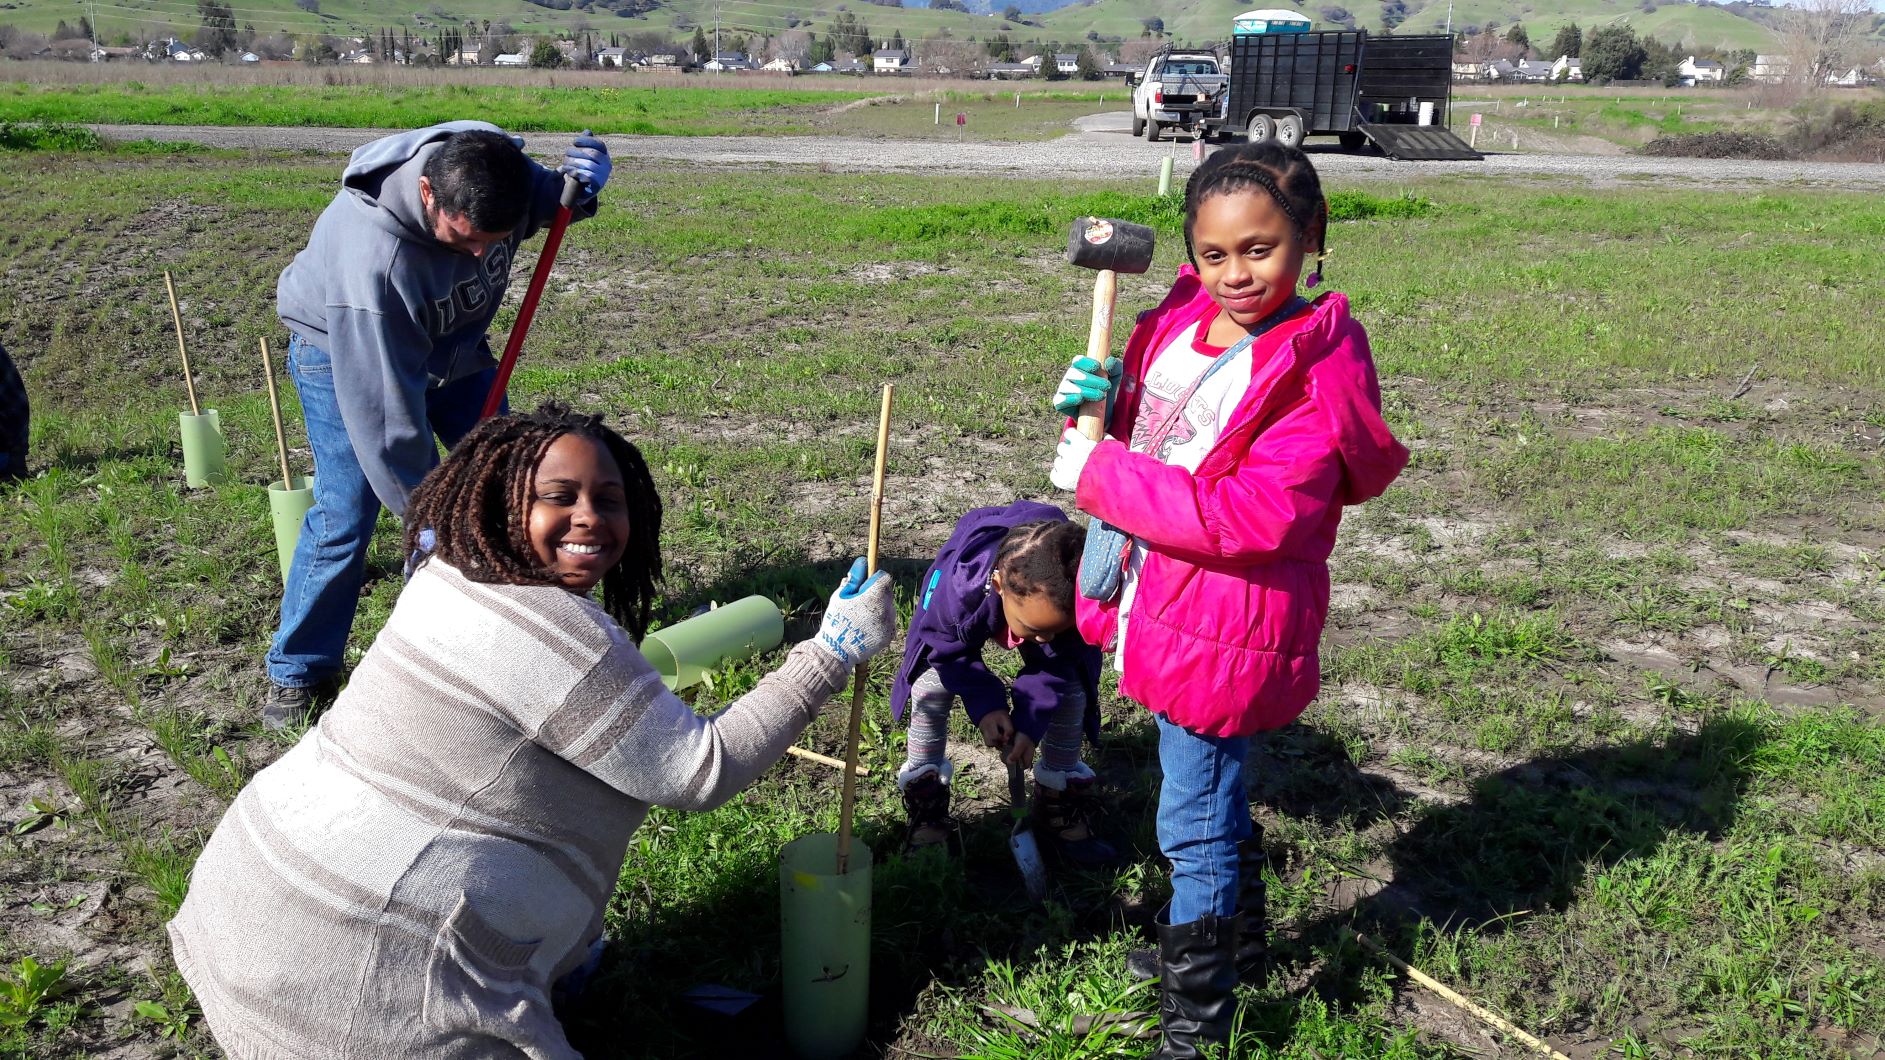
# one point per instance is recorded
(1600, 742)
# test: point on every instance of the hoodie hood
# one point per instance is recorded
(1344, 385)
(383, 177)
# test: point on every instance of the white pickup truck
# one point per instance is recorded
(1177, 90)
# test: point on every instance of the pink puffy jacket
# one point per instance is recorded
(1228, 613)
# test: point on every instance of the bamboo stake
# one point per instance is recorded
(274, 408)
(814, 756)
(176, 318)
(849, 804)
(1440, 988)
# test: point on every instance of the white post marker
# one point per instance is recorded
(939, 114)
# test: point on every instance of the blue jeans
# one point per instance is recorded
(323, 588)
(1203, 813)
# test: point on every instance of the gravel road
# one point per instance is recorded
(1100, 146)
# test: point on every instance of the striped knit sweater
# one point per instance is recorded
(411, 878)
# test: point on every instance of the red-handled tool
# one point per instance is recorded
(564, 208)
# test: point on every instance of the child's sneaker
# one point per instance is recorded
(1064, 816)
(926, 800)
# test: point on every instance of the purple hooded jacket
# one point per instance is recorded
(957, 613)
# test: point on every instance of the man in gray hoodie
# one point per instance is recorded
(387, 309)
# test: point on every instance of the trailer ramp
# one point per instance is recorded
(1418, 143)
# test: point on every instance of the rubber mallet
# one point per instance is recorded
(1112, 247)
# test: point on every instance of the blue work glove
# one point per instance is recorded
(588, 160)
(1084, 382)
(861, 619)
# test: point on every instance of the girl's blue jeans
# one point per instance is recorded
(323, 587)
(1203, 813)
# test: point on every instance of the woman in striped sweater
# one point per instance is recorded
(416, 875)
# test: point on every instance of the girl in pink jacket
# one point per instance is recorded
(1242, 421)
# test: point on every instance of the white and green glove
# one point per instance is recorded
(861, 619)
(1085, 381)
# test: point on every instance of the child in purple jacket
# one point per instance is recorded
(1006, 574)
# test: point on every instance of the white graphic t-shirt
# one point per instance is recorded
(1191, 436)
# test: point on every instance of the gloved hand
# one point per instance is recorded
(1070, 459)
(1085, 382)
(588, 160)
(861, 619)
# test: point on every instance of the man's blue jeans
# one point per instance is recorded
(1203, 813)
(323, 588)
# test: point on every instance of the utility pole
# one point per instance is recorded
(716, 41)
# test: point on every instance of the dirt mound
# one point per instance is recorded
(1719, 145)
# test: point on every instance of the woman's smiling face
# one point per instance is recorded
(578, 519)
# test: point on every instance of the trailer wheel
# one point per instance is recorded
(1262, 129)
(1289, 130)
(1353, 141)
(1151, 131)
(1138, 124)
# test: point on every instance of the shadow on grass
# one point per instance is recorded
(1522, 842)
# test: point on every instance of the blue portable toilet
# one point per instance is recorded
(1270, 20)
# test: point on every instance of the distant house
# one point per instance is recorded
(821, 68)
(615, 57)
(249, 57)
(359, 58)
(728, 61)
(1067, 64)
(178, 52)
(511, 59)
(890, 60)
(467, 56)
(1567, 69)
(1695, 71)
(111, 54)
(781, 65)
(1533, 70)
(1501, 70)
(1769, 68)
(1119, 69)
(1857, 77)
(1009, 71)
(665, 59)
(1034, 63)
(850, 66)
(1465, 69)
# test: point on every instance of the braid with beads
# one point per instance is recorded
(477, 506)
(1285, 174)
(1042, 557)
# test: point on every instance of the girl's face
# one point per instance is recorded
(1036, 618)
(1249, 254)
(578, 512)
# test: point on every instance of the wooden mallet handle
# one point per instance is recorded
(1099, 345)
(274, 408)
(176, 318)
(848, 806)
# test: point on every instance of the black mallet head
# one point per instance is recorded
(1101, 243)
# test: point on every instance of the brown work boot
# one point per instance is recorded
(1065, 819)
(926, 800)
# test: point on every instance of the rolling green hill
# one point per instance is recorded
(1186, 20)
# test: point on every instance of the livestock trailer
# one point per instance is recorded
(1390, 90)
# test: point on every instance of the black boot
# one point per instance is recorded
(1065, 820)
(1253, 936)
(1197, 986)
(926, 800)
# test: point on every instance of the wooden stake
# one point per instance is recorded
(176, 318)
(274, 408)
(1440, 988)
(849, 804)
(814, 756)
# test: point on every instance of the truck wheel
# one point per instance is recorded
(1138, 125)
(1262, 129)
(1353, 141)
(1151, 131)
(1289, 130)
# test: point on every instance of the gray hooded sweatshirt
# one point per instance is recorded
(397, 311)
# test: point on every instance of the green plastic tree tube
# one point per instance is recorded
(825, 943)
(681, 653)
(289, 507)
(202, 447)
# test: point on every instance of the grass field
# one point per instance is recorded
(1600, 740)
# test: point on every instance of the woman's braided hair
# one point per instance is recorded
(1042, 557)
(1283, 173)
(477, 506)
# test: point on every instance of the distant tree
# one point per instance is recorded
(700, 45)
(1393, 13)
(1088, 65)
(1661, 62)
(1823, 38)
(1612, 53)
(1000, 48)
(1154, 25)
(1569, 41)
(65, 32)
(819, 50)
(896, 41)
(217, 36)
(1011, 13)
(312, 7)
(546, 55)
(1517, 35)
(850, 34)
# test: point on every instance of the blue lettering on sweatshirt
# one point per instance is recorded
(934, 577)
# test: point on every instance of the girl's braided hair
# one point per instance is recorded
(1285, 174)
(477, 506)
(1042, 557)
